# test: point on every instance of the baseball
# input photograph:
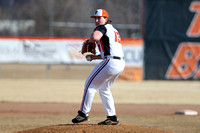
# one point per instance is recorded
(88, 58)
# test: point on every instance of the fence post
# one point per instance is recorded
(48, 69)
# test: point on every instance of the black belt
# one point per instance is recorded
(115, 57)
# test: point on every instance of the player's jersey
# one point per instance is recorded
(110, 43)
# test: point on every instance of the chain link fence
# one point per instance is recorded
(67, 18)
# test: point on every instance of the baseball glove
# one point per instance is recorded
(88, 47)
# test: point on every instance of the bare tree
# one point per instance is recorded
(120, 11)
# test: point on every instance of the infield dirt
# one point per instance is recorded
(95, 129)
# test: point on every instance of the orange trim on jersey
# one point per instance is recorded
(99, 47)
(102, 46)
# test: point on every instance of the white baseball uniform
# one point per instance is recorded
(106, 72)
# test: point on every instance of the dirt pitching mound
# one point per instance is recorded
(93, 128)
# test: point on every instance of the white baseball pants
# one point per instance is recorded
(101, 78)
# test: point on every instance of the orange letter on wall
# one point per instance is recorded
(194, 29)
(185, 62)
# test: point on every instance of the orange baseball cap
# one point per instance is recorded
(100, 13)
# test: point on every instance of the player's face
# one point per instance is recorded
(100, 21)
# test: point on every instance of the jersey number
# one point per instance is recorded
(117, 37)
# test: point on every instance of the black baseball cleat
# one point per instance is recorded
(81, 117)
(111, 120)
